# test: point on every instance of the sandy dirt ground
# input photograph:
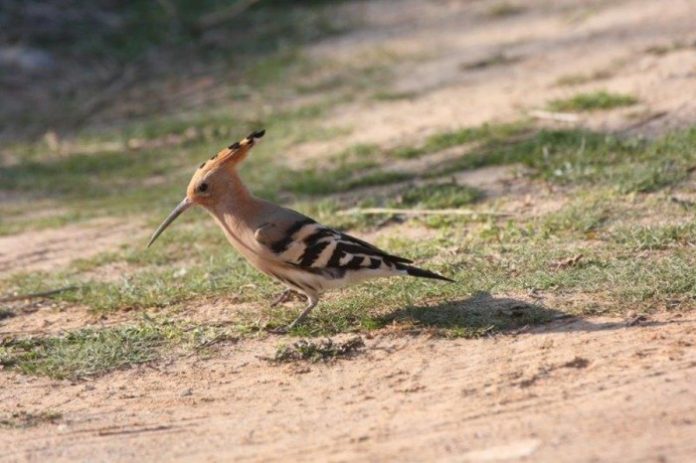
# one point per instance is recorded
(53, 248)
(573, 390)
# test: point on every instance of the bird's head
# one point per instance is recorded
(212, 180)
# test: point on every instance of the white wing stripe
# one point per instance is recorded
(325, 255)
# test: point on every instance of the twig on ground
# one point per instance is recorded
(21, 297)
(111, 431)
(647, 120)
(391, 210)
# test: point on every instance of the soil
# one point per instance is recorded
(46, 250)
(575, 390)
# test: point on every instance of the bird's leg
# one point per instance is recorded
(311, 302)
(283, 297)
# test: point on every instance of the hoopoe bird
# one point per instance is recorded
(307, 257)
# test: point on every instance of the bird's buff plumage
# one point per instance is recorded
(304, 255)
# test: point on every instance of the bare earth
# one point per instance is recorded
(588, 390)
(573, 390)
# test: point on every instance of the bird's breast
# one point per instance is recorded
(241, 237)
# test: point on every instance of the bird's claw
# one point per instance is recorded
(278, 330)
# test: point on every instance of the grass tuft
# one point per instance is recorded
(321, 350)
(83, 353)
(644, 238)
(593, 101)
(439, 196)
(484, 134)
(91, 352)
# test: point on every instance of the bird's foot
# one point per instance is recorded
(303, 315)
(278, 330)
(286, 329)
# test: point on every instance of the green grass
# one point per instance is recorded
(577, 157)
(165, 274)
(600, 100)
(494, 262)
(83, 353)
(484, 134)
(601, 168)
(609, 272)
(583, 216)
(439, 196)
(92, 352)
(642, 238)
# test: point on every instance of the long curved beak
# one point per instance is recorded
(183, 205)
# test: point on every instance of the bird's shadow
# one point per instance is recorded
(482, 314)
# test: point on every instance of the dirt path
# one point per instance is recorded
(575, 390)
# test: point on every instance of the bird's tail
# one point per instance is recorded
(422, 273)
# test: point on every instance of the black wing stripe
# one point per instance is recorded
(375, 263)
(311, 253)
(282, 245)
(337, 255)
(355, 263)
(318, 235)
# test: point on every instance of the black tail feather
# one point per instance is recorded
(422, 273)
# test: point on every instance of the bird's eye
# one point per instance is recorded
(203, 187)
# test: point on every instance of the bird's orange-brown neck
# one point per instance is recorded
(236, 200)
(235, 210)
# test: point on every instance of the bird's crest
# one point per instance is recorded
(233, 154)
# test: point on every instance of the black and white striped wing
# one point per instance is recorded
(314, 247)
